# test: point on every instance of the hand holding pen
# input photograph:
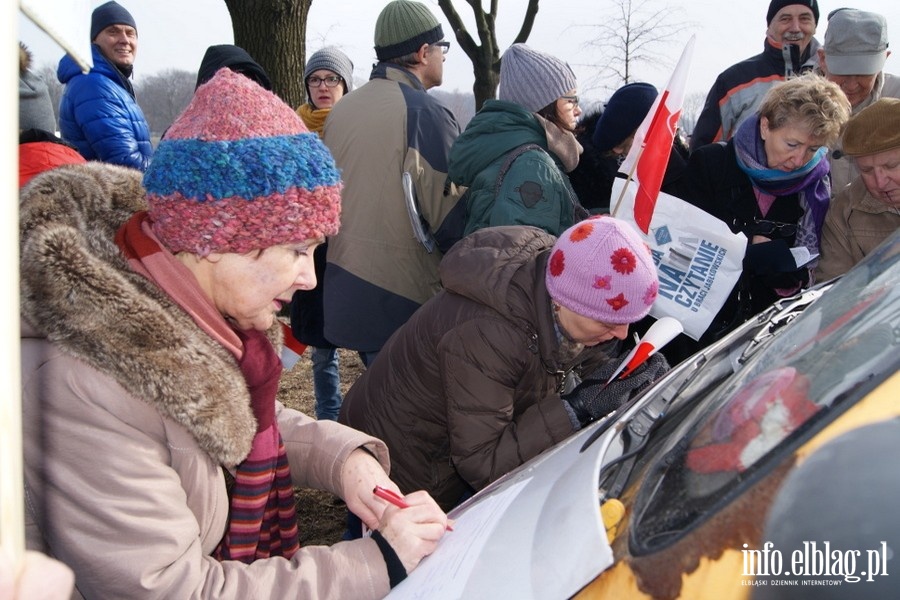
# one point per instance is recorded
(395, 499)
(413, 524)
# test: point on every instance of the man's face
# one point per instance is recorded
(881, 174)
(856, 87)
(118, 43)
(433, 75)
(793, 24)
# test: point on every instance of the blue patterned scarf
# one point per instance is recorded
(809, 181)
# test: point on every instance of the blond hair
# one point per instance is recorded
(809, 100)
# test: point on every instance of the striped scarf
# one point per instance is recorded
(262, 520)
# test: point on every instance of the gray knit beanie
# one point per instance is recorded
(111, 13)
(533, 79)
(330, 59)
(402, 27)
(35, 105)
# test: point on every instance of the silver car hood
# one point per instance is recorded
(528, 535)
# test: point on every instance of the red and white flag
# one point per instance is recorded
(646, 162)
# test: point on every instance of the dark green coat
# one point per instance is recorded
(535, 191)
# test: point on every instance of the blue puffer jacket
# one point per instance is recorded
(99, 115)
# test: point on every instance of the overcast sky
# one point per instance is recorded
(176, 33)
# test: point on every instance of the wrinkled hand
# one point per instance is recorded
(593, 399)
(359, 476)
(413, 532)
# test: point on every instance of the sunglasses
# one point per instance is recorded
(762, 227)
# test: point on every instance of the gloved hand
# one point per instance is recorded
(591, 400)
(775, 265)
(769, 258)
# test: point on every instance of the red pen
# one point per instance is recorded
(394, 498)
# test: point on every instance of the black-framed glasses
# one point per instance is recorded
(763, 227)
(444, 45)
(573, 100)
(330, 81)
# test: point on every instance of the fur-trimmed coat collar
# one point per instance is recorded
(78, 292)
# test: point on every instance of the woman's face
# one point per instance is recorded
(249, 289)
(321, 95)
(587, 331)
(568, 110)
(789, 147)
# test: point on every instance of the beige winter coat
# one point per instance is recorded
(856, 223)
(131, 412)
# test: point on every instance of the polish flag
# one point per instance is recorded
(646, 162)
(292, 349)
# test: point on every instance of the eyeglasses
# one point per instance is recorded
(444, 45)
(573, 100)
(761, 227)
(330, 81)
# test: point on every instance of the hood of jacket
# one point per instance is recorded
(68, 69)
(497, 128)
(235, 58)
(78, 292)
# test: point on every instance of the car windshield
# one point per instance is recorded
(743, 413)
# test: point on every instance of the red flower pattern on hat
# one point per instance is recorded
(557, 263)
(602, 269)
(623, 261)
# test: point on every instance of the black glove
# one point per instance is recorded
(591, 400)
(768, 258)
(775, 265)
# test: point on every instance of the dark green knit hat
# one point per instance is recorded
(402, 27)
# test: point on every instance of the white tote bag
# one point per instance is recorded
(697, 257)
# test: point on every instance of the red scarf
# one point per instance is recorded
(263, 520)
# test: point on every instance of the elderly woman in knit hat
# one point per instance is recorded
(484, 376)
(866, 212)
(769, 182)
(328, 77)
(515, 153)
(157, 460)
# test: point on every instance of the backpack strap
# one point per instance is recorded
(510, 159)
(579, 211)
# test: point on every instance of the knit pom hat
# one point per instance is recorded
(776, 5)
(533, 79)
(601, 269)
(330, 59)
(402, 27)
(111, 13)
(623, 114)
(876, 128)
(239, 171)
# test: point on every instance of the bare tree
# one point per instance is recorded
(48, 74)
(486, 57)
(274, 33)
(632, 32)
(163, 96)
(690, 110)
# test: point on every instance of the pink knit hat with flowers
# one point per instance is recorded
(601, 269)
(239, 171)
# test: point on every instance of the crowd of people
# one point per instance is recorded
(476, 272)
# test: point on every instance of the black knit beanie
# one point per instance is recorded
(777, 5)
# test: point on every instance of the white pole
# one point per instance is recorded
(12, 528)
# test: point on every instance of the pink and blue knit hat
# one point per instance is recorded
(601, 269)
(239, 171)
